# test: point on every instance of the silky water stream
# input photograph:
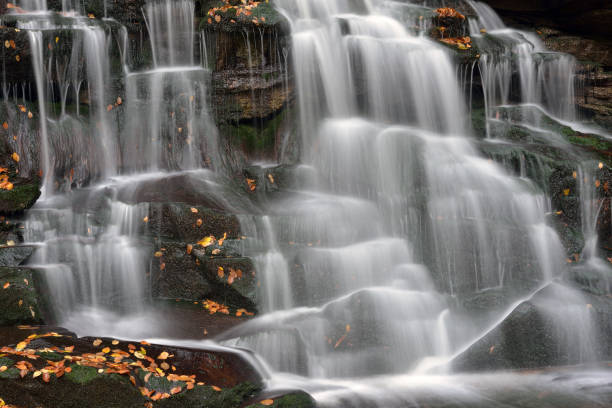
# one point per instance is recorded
(364, 265)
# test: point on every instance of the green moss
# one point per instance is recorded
(296, 400)
(255, 139)
(51, 356)
(11, 372)
(207, 397)
(20, 198)
(19, 302)
(81, 374)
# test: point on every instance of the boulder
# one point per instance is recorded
(195, 276)
(534, 335)
(19, 299)
(219, 378)
(187, 223)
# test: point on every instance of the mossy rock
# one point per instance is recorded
(20, 198)
(298, 399)
(19, 301)
(207, 397)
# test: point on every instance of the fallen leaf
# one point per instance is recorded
(6, 285)
(15, 157)
(163, 356)
(97, 342)
(267, 402)
(207, 241)
(214, 387)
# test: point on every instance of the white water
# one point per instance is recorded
(92, 250)
(404, 211)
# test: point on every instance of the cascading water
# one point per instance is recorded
(92, 249)
(403, 206)
(545, 78)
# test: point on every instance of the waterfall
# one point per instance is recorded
(404, 212)
(90, 221)
(545, 78)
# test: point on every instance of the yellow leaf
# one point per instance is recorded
(165, 366)
(206, 242)
(267, 402)
(158, 254)
(566, 192)
(600, 165)
(139, 355)
(115, 342)
(220, 272)
(36, 374)
(15, 157)
(271, 178)
(106, 350)
(97, 342)
(164, 355)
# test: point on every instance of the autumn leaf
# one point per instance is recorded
(252, 184)
(267, 402)
(6, 285)
(163, 356)
(189, 249)
(206, 242)
(97, 342)
(214, 387)
(15, 157)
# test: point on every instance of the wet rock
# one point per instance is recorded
(179, 221)
(23, 196)
(177, 274)
(15, 255)
(230, 379)
(531, 338)
(295, 399)
(19, 299)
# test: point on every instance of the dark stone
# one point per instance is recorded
(291, 399)
(178, 221)
(23, 196)
(232, 371)
(176, 275)
(529, 338)
(19, 302)
(179, 275)
(15, 255)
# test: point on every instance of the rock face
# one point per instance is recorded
(534, 335)
(19, 300)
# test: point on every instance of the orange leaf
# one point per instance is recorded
(267, 402)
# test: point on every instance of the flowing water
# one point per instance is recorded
(362, 268)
